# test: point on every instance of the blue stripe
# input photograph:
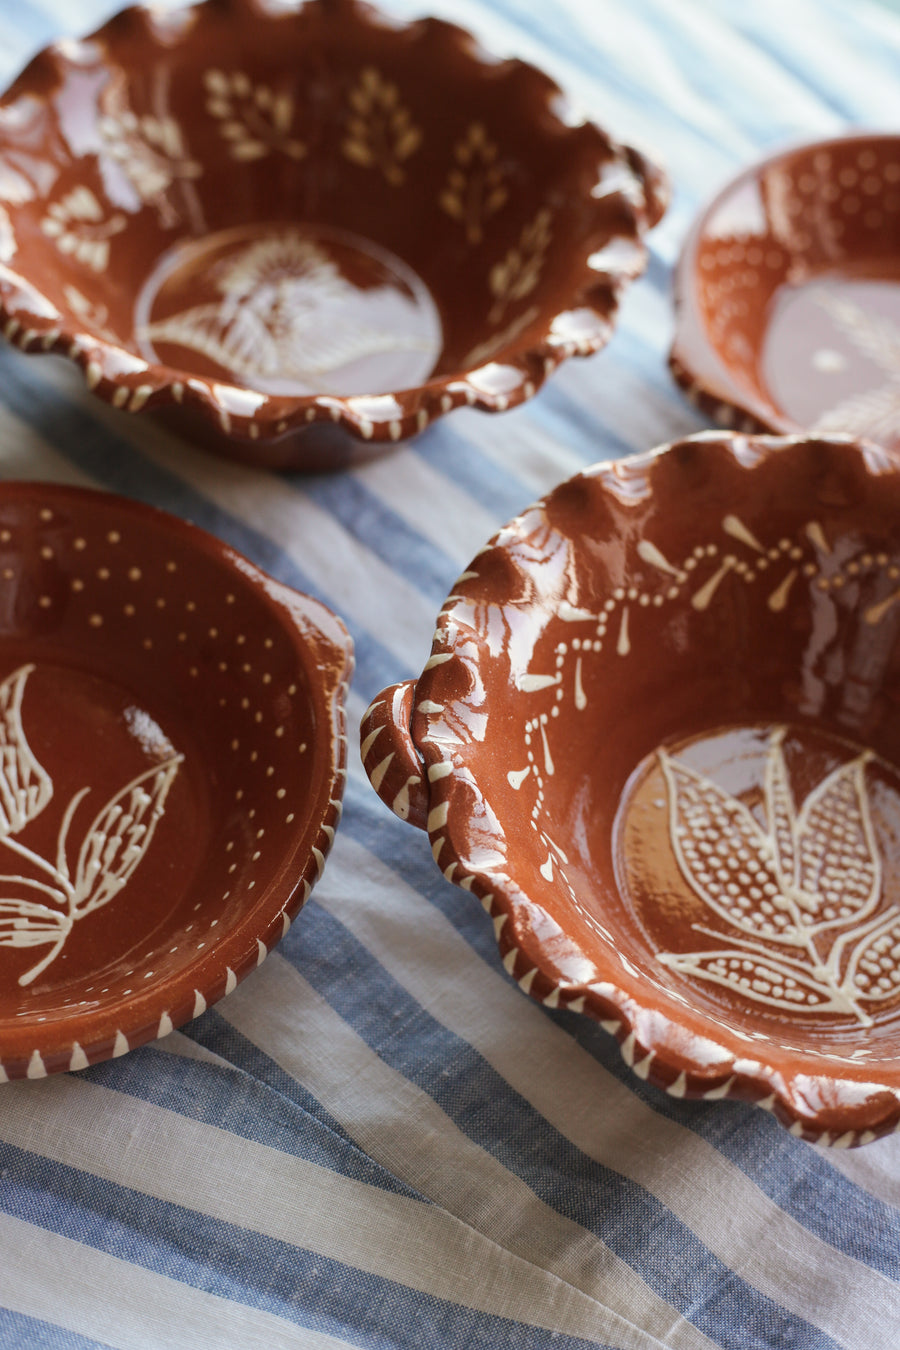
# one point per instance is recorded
(797, 1178)
(498, 488)
(304, 1288)
(407, 852)
(792, 1174)
(569, 43)
(635, 1225)
(386, 533)
(269, 1108)
(793, 56)
(19, 1332)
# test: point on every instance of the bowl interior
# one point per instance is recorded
(796, 279)
(315, 202)
(163, 762)
(698, 704)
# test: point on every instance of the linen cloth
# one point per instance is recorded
(377, 1140)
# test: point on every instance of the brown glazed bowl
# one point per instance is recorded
(271, 219)
(173, 749)
(787, 296)
(658, 736)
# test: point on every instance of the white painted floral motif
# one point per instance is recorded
(79, 228)
(519, 272)
(151, 153)
(380, 131)
(113, 846)
(802, 891)
(874, 412)
(285, 313)
(253, 118)
(474, 189)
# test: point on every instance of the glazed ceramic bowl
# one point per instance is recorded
(171, 723)
(787, 294)
(658, 737)
(269, 218)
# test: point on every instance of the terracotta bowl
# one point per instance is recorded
(269, 219)
(659, 738)
(171, 727)
(788, 294)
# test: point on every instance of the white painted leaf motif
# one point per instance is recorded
(780, 810)
(25, 787)
(761, 978)
(26, 923)
(723, 853)
(806, 901)
(120, 835)
(874, 971)
(838, 862)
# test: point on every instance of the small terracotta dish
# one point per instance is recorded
(171, 727)
(270, 219)
(788, 294)
(658, 736)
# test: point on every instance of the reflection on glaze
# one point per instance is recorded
(112, 848)
(847, 332)
(292, 311)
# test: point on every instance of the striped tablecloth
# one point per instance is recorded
(377, 1140)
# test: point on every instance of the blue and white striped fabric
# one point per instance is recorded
(377, 1140)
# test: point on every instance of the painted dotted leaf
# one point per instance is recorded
(25, 787)
(838, 863)
(120, 835)
(723, 854)
(761, 978)
(874, 971)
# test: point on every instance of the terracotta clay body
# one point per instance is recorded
(788, 294)
(658, 736)
(171, 726)
(270, 223)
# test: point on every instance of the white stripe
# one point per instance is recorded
(24, 454)
(106, 1298)
(875, 1168)
(260, 1189)
(431, 503)
(424, 953)
(432, 1154)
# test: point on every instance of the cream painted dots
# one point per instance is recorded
(823, 571)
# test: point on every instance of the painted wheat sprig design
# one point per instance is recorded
(801, 893)
(112, 848)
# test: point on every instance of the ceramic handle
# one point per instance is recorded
(389, 755)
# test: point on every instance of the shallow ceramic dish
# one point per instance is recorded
(267, 217)
(171, 726)
(659, 737)
(788, 294)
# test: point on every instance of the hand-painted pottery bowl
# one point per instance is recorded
(171, 724)
(269, 220)
(659, 738)
(788, 294)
